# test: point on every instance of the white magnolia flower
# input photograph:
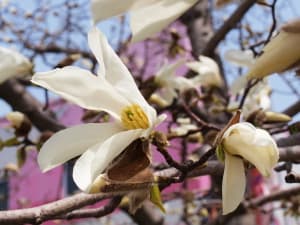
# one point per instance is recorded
(147, 17)
(208, 72)
(257, 98)
(13, 64)
(113, 91)
(184, 126)
(280, 54)
(244, 141)
(170, 84)
(239, 57)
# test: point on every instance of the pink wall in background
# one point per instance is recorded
(30, 187)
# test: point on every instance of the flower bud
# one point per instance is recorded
(20, 122)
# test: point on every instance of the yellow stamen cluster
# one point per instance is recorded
(133, 117)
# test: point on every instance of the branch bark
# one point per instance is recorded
(227, 27)
(16, 95)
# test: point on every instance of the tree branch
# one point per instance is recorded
(16, 95)
(227, 26)
(292, 140)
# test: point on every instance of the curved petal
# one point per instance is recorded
(103, 9)
(254, 145)
(73, 141)
(13, 64)
(238, 85)
(233, 184)
(113, 69)
(82, 88)
(239, 58)
(149, 20)
(280, 54)
(116, 73)
(94, 161)
(168, 71)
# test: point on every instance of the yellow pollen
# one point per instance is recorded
(133, 117)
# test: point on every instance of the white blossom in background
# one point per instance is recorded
(13, 64)
(259, 97)
(208, 72)
(113, 91)
(242, 58)
(280, 54)
(147, 17)
(170, 84)
(184, 126)
(4, 3)
(242, 141)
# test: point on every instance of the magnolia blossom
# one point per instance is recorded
(280, 54)
(13, 64)
(170, 84)
(184, 126)
(244, 141)
(113, 91)
(208, 73)
(239, 57)
(147, 17)
(257, 98)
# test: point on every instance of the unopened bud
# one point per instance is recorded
(10, 167)
(20, 122)
(156, 99)
(273, 117)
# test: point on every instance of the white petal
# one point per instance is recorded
(208, 72)
(94, 161)
(280, 54)
(238, 85)
(73, 141)
(13, 64)
(113, 68)
(82, 88)
(116, 73)
(254, 145)
(167, 71)
(240, 58)
(233, 184)
(103, 9)
(149, 20)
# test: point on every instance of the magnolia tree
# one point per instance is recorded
(172, 93)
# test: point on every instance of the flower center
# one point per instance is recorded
(134, 117)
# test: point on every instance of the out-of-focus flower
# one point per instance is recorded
(4, 3)
(113, 91)
(257, 98)
(170, 84)
(147, 17)
(13, 64)
(244, 141)
(277, 117)
(184, 127)
(280, 54)
(20, 122)
(239, 57)
(208, 73)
